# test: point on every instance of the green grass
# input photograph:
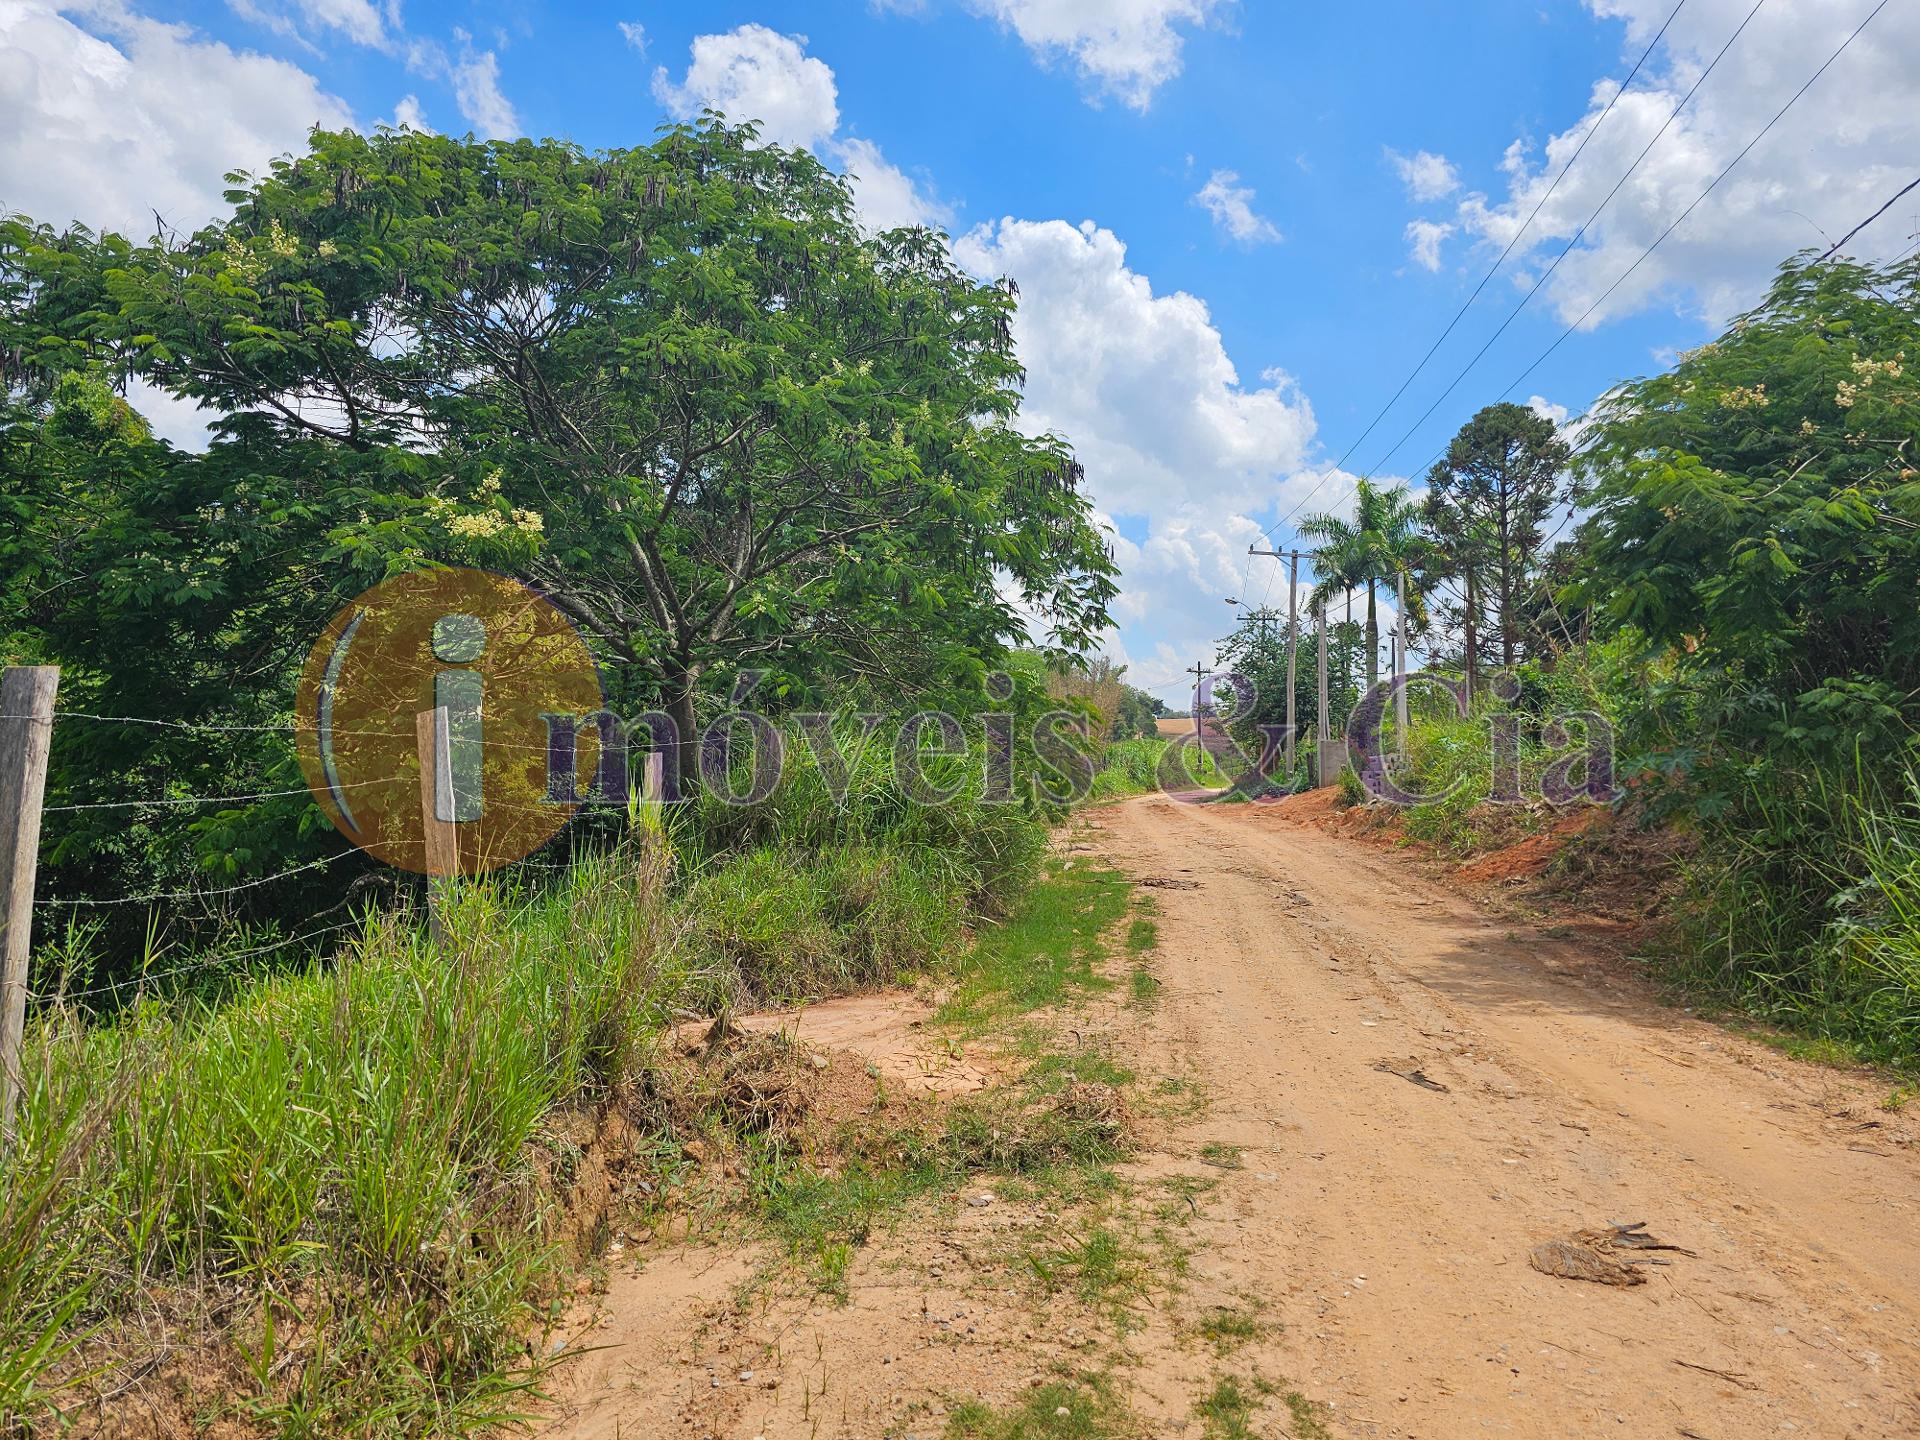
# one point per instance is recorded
(1802, 909)
(366, 1138)
(1226, 1411)
(341, 1185)
(1141, 767)
(1309, 1418)
(1048, 951)
(1036, 1131)
(1084, 1408)
(1227, 1329)
(344, 1180)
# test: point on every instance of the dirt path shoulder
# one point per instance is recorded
(1407, 1096)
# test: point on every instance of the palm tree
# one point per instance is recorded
(1383, 541)
(1339, 560)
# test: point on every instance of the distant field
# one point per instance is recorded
(1169, 726)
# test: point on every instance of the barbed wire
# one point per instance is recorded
(208, 962)
(183, 800)
(178, 895)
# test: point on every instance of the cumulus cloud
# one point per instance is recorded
(473, 75)
(361, 21)
(1846, 146)
(1423, 242)
(1231, 205)
(884, 195)
(1547, 409)
(1123, 48)
(143, 116)
(756, 73)
(410, 114)
(1427, 176)
(753, 73)
(1141, 384)
(476, 90)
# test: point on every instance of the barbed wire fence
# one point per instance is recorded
(28, 716)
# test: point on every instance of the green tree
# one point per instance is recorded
(675, 385)
(1139, 713)
(1758, 506)
(1340, 565)
(1487, 501)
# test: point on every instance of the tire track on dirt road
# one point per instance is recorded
(1386, 1225)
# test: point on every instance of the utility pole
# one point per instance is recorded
(1293, 638)
(1400, 668)
(1321, 731)
(26, 735)
(432, 734)
(1199, 673)
(1293, 652)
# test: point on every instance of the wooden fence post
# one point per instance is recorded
(26, 732)
(433, 735)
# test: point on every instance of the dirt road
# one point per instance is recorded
(1382, 1226)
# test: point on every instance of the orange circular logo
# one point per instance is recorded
(424, 717)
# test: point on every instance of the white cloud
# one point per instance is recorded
(1547, 409)
(1838, 154)
(361, 21)
(110, 123)
(1231, 205)
(754, 73)
(635, 34)
(884, 195)
(410, 114)
(1126, 48)
(182, 423)
(1423, 242)
(1141, 384)
(1427, 176)
(476, 89)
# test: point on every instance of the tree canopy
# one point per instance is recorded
(676, 384)
(1756, 507)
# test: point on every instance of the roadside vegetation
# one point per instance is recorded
(1722, 577)
(285, 1163)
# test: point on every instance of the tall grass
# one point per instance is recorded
(339, 1164)
(1139, 767)
(349, 1175)
(1804, 907)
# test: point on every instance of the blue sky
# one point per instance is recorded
(1236, 226)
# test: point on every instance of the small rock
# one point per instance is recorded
(745, 1376)
(982, 1200)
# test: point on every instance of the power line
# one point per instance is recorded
(1568, 249)
(1493, 270)
(1679, 219)
(1907, 188)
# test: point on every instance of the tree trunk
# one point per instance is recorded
(681, 681)
(1373, 639)
(1348, 678)
(1472, 648)
(1506, 581)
